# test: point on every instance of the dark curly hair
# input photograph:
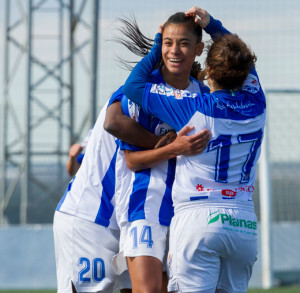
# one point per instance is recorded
(137, 43)
(229, 60)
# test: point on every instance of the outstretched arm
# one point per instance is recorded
(182, 145)
(123, 127)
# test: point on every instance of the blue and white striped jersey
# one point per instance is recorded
(225, 171)
(84, 144)
(146, 194)
(90, 195)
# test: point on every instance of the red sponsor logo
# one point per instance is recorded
(246, 188)
(177, 94)
(200, 187)
(229, 192)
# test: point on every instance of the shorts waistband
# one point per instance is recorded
(247, 206)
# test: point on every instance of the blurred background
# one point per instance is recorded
(58, 68)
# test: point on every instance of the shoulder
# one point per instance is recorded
(156, 77)
(202, 87)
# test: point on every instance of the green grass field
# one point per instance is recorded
(276, 290)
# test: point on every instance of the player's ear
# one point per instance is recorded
(199, 48)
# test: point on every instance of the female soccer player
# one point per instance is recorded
(145, 208)
(86, 234)
(213, 235)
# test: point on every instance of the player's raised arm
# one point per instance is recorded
(210, 25)
(136, 82)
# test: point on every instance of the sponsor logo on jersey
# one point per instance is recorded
(177, 94)
(251, 84)
(213, 217)
(247, 188)
(162, 89)
(228, 220)
(200, 188)
(162, 128)
(235, 105)
(229, 192)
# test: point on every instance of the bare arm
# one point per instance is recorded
(182, 145)
(72, 165)
(123, 127)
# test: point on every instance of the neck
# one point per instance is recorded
(179, 81)
(213, 85)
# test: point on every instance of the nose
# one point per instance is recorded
(175, 48)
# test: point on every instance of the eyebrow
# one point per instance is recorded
(180, 40)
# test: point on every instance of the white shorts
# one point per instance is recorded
(83, 252)
(141, 238)
(212, 248)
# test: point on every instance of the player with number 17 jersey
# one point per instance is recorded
(213, 235)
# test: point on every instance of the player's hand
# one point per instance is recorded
(166, 139)
(202, 17)
(161, 27)
(193, 144)
(75, 150)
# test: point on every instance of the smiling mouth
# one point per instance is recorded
(175, 60)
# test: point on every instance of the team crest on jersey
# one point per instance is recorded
(251, 84)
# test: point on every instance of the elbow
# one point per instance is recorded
(132, 167)
(111, 126)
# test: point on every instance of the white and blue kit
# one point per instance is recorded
(86, 232)
(83, 144)
(213, 235)
(144, 206)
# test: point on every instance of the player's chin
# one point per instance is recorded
(177, 69)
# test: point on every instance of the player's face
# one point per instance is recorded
(179, 49)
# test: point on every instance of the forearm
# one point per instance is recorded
(135, 84)
(184, 144)
(72, 166)
(126, 129)
(140, 160)
(215, 28)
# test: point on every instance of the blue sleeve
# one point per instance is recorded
(116, 96)
(80, 158)
(215, 28)
(176, 107)
(124, 103)
(126, 146)
(135, 84)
